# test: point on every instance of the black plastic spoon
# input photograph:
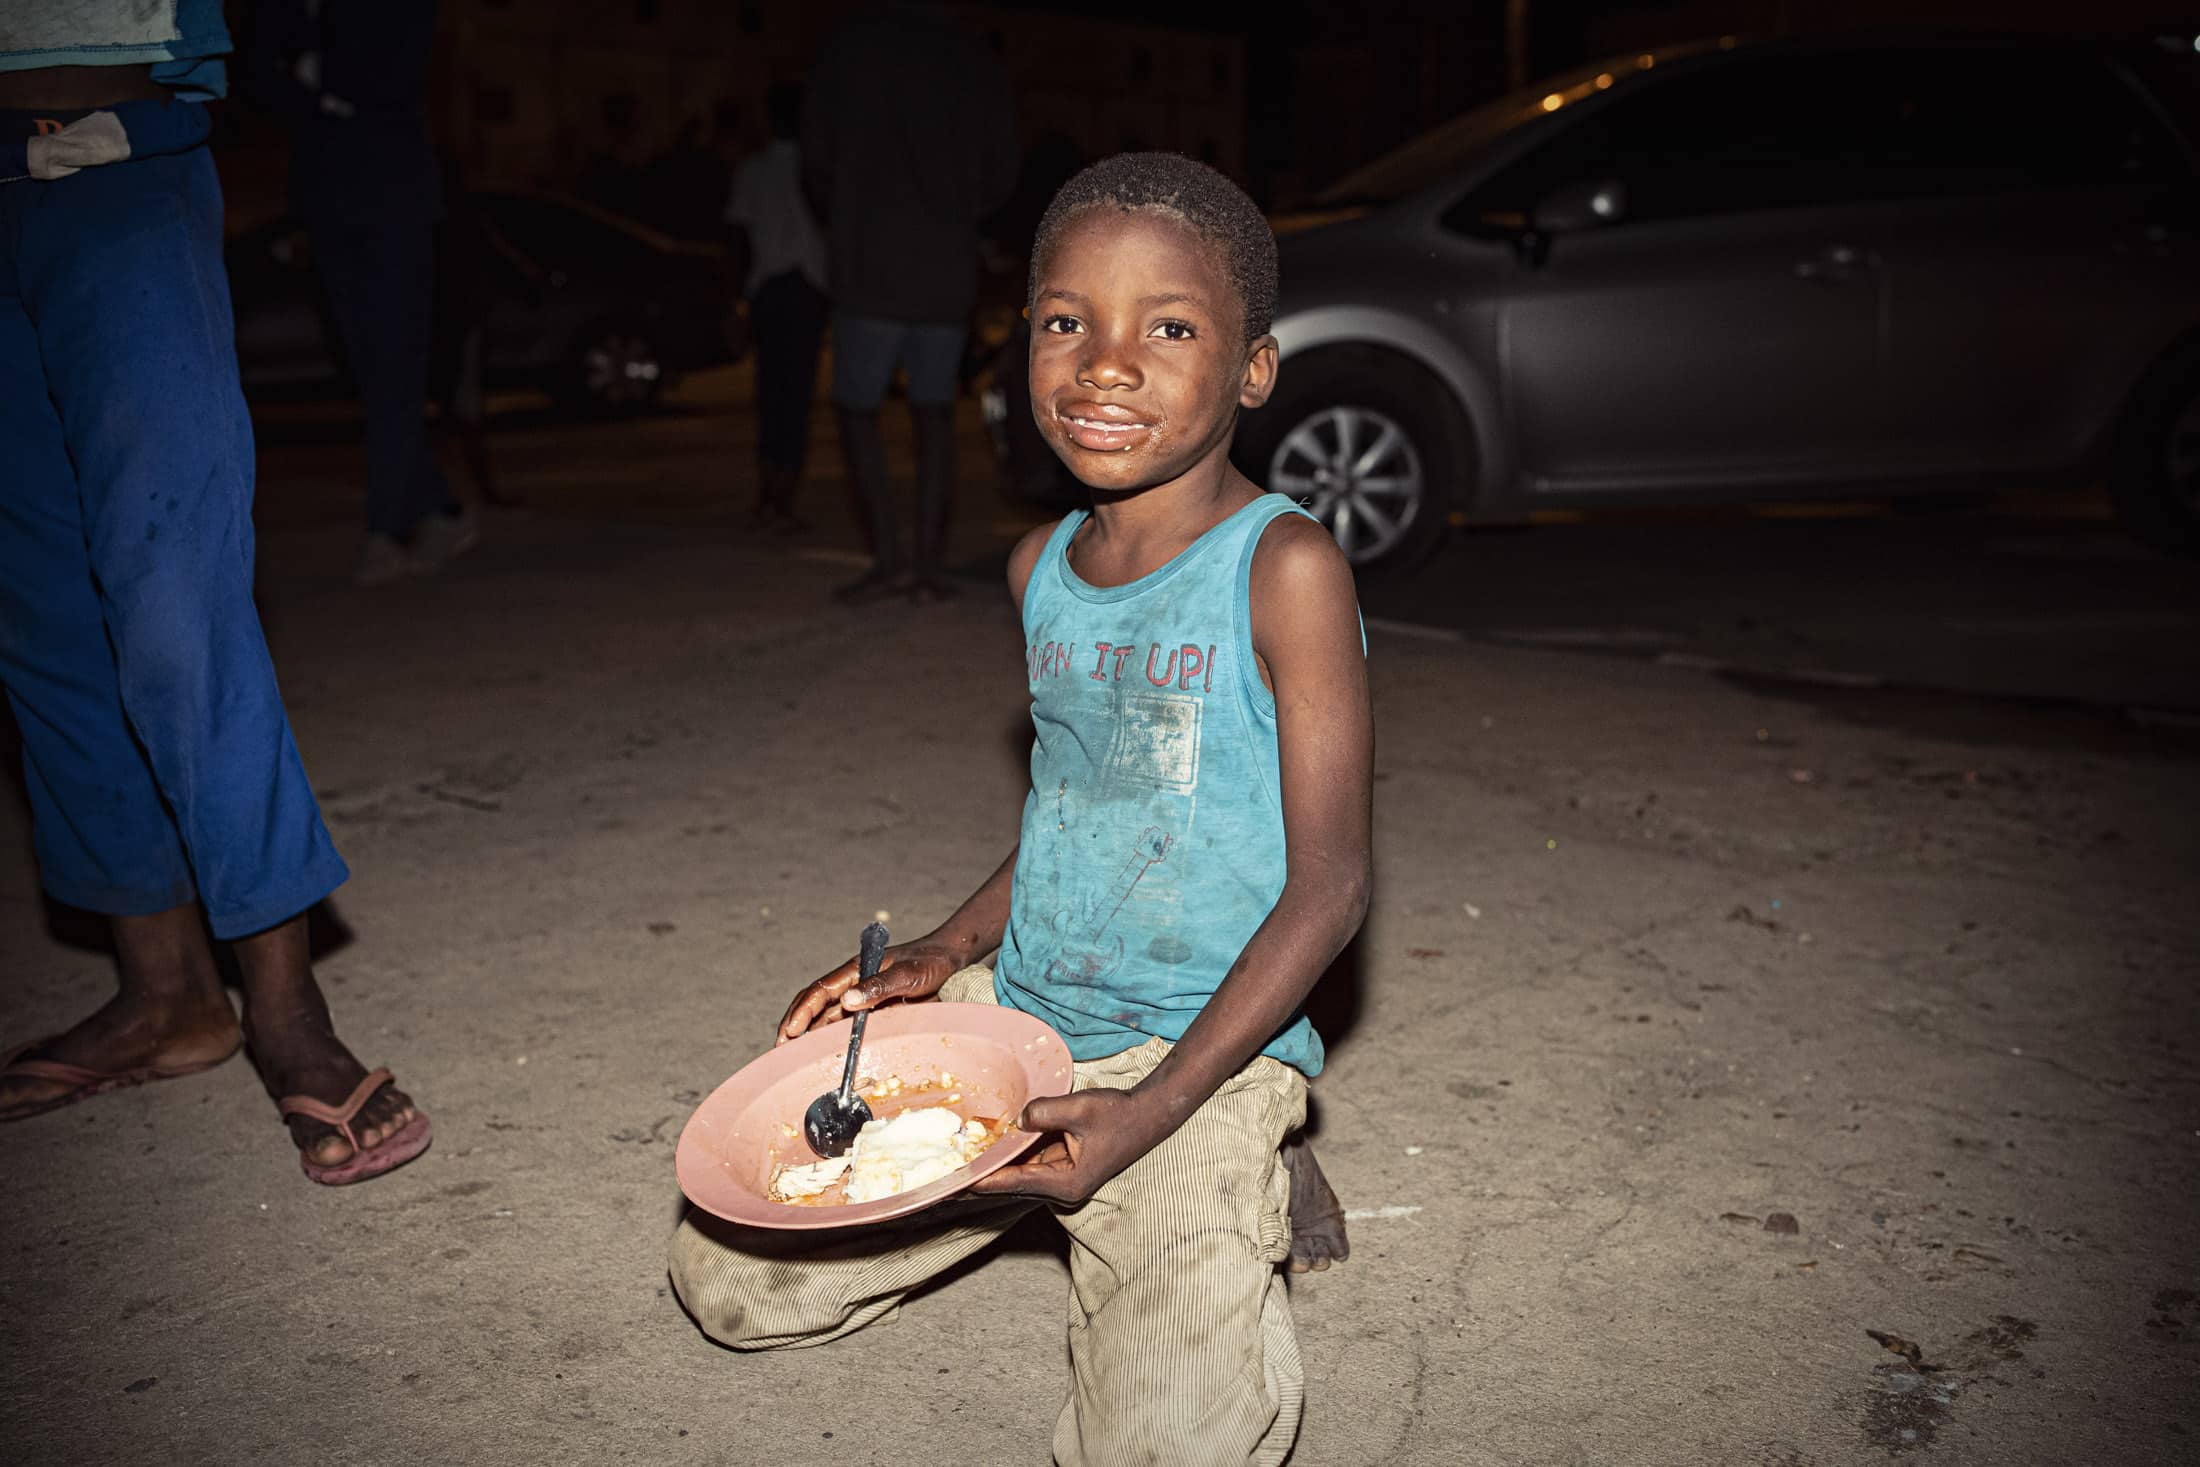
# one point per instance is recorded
(831, 1122)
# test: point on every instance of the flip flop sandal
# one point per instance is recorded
(84, 1083)
(364, 1161)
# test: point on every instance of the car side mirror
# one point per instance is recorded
(1589, 204)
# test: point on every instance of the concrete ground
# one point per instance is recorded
(1700, 1029)
(2040, 598)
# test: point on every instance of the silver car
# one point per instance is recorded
(1740, 271)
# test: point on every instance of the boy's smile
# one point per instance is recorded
(1104, 428)
(1138, 354)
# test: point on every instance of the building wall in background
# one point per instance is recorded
(1284, 95)
(566, 93)
(1346, 84)
(1630, 27)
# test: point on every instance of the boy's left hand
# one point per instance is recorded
(1096, 1133)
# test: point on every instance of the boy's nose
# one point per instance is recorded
(1108, 364)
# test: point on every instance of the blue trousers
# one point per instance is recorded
(158, 757)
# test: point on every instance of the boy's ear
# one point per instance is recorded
(1260, 373)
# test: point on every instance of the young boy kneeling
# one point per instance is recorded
(1195, 852)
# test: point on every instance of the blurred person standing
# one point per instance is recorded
(350, 78)
(465, 241)
(779, 254)
(166, 791)
(908, 142)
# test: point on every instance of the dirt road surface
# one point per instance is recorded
(1699, 1030)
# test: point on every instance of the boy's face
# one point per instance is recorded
(1139, 361)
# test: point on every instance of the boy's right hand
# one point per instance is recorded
(910, 972)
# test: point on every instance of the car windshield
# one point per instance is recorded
(1437, 153)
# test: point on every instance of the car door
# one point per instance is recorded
(1726, 329)
(2043, 257)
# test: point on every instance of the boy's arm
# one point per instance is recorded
(916, 970)
(1024, 558)
(1306, 631)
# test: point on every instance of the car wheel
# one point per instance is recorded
(614, 368)
(2156, 480)
(1372, 448)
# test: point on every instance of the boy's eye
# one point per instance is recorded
(1174, 331)
(1061, 325)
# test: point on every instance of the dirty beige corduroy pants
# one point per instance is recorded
(1180, 1339)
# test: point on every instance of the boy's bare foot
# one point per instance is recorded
(1317, 1217)
(295, 1047)
(170, 1015)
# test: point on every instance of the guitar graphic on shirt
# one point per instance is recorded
(1086, 959)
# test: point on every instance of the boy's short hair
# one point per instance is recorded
(1217, 210)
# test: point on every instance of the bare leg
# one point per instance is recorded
(935, 497)
(169, 1012)
(294, 1043)
(473, 445)
(463, 412)
(863, 445)
(775, 490)
(781, 483)
(1317, 1217)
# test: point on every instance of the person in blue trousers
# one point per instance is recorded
(166, 791)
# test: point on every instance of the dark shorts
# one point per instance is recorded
(866, 350)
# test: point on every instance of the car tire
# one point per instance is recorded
(2156, 476)
(614, 367)
(1371, 445)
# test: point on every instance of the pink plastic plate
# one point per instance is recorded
(749, 1126)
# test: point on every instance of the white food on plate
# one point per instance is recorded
(909, 1150)
(807, 1181)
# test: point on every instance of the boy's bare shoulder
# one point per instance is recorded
(1025, 556)
(1298, 558)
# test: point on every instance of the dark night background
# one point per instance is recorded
(1775, 1036)
(1284, 96)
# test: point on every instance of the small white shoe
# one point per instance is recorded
(381, 561)
(444, 537)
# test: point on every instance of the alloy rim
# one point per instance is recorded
(1355, 470)
(620, 368)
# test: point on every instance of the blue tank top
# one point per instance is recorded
(183, 41)
(1153, 834)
